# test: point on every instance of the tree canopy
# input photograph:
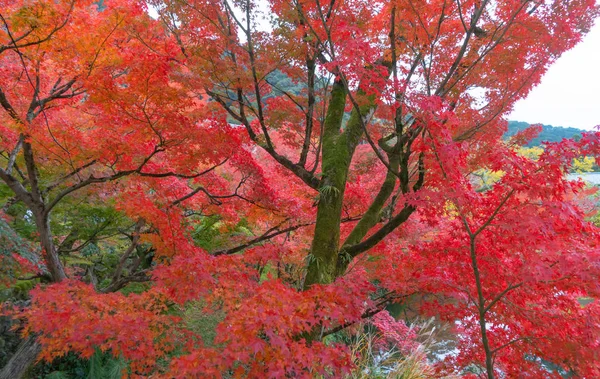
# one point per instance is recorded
(293, 168)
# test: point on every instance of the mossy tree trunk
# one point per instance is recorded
(338, 149)
(328, 258)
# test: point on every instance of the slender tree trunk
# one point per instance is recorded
(42, 220)
(51, 258)
(23, 358)
(489, 357)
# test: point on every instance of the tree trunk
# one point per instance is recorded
(53, 263)
(22, 359)
(338, 149)
(323, 258)
(29, 348)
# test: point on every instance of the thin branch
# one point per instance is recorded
(134, 242)
(272, 232)
(13, 155)
(67, 176)
(510, 343)
(14, 46)
(495, 213)
(501, 295)
(380, 306)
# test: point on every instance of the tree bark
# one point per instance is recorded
(22, 359)
(489, 356)
(29, 349)
(338, 150)
(53, 263)
(335, 162)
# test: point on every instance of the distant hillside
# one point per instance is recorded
(549, 133)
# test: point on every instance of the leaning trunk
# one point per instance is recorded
(49, 252)
(29, 348)
(23, 358)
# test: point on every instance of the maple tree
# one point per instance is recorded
(298, 166)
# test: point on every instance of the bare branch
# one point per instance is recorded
(134, 242)
(13, 155)
(380, 306)
(272, 232)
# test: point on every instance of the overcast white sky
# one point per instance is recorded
(569, 94)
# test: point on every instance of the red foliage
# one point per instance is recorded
(507, 265)
(71, 316)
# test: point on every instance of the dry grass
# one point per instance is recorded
(373, 362)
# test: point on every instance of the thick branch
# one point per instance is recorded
(134, 242)
(16, 186)
(372, 216)
(380, 234)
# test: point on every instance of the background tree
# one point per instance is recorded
(66, 129)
